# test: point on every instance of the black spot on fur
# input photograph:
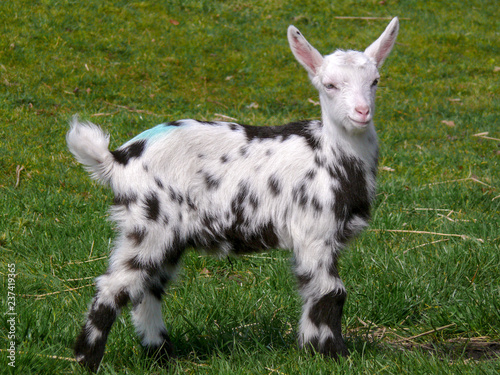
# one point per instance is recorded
(102, 317)
(224, 159)
(234, 127)
(173, 253)
(157, 281)
(210, 235)
(134, 150)
(237, 202)
(175, 196)
(274, 185)
(316, 205)
(211, 182)
(190, 203)
(310, 174)
(304, 280)
(300, 128)
(137, 236)
(152, 207)
(121, 299)
(328, 309)
(175, 123)
(252, 241)
(166, 219)
(238, 234)
(125, 200)
(333, 270)
(351, 197)
(244, 151)
(159, 183)
(319, 160)
(171, 257)
(299, 194)
(135, 264)
(254, 201)
(156, 289)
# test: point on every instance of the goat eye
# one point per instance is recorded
(375, 83)
(330, 86)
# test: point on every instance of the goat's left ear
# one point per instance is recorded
(381, 48)
(305, 54)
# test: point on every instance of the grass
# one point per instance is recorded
(423, 281)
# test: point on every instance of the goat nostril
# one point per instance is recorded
(363, 110)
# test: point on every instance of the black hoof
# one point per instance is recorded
(163, 353)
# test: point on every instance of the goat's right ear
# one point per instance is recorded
(381, 48)
(305, 54)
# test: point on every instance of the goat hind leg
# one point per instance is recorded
(105, 308)
(148, 321)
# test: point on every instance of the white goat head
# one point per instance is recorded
(346, 80)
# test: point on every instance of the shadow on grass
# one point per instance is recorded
(451, 350)
(254, 336)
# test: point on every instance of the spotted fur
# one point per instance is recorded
(231, 188)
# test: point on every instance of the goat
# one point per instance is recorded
(230, 188)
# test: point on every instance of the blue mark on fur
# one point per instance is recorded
(152, 133)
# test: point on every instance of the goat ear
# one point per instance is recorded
(305, 54)
(381, 48)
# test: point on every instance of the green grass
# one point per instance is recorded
(129, 65)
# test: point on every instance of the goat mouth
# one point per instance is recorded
(360, 124)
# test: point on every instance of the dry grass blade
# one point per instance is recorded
(39, 296)
(470, 348)
(104, 114)
(44, 355)
(462, 236)
(484, 135)
(365, 18)
(19, 169)
(271, 370)
(224, 117)
(470, 178)
(130, 109)
(87, 261)
(81, 278)
(425, 333)
(425, 244)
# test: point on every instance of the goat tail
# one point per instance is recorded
(90, 146)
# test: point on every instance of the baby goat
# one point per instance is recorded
(230, 188)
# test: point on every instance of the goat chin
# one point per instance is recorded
(228, 188)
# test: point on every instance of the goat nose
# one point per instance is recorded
(363, 110)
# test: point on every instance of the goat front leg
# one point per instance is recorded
(323, 295)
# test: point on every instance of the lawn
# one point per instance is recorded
(423, 281)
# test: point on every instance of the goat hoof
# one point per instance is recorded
(91, 364)
(162, 354)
